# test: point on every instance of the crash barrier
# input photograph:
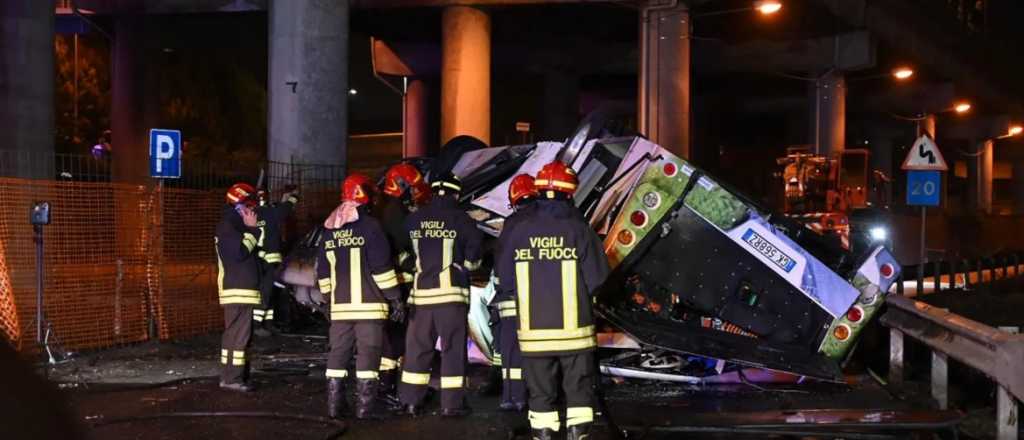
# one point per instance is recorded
(123, 263)
(936, 276)
(996, 353)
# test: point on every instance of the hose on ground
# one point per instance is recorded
(339, 426)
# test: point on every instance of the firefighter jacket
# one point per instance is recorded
(506, 301)
(553, 262)
(446, 245)
(270, 220)
(237, 267)
(355, 270)
(392, 213)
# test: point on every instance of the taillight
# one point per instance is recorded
(887, 270)
(669, 169)
(855, 314)
(638, 218)
(842, 332)
(625, 237)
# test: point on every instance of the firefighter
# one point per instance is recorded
(238, 283)
(553, 262)
(404, 189)
(521, 194)
(270, 221)
(355, 271)
(446, 244)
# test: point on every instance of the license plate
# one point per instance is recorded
(762, 246)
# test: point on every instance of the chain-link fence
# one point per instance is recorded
(127, 263)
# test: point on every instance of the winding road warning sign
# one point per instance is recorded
(925, 156)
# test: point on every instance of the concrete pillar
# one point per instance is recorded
(307, 87)
(979, 179)
(663, 113)
(882, 147)
(414, 119)
(561, 104)
(465, 73)
(26, 86)
(926, 125)
(134, 101)
(986, 175)
(1018, 186)
(828, 118)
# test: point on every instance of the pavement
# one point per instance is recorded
(169, 391)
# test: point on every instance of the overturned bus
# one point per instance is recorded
(698, 270)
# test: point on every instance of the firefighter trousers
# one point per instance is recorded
(366, 337)
(513, 390)
(268, 292)
(234, 343)
(427, 325)
(577, 381)
(394, 339)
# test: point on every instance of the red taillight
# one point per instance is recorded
(625, 237)
(669, 169)
(638, 218)
(855, 314)
(887, 270)
(842, 332)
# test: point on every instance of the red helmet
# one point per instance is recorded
(401, 177)
(242, 193)
(556, 176)
(355, 188)
(521, 186)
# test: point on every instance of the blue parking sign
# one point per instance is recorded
(924, 188)
(164, 153)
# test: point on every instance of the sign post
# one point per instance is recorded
(164, 163)
(924, 165)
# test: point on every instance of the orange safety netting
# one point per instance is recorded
(115, 269)
(9, 327)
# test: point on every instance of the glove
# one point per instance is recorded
(398, 310)
(494, 315)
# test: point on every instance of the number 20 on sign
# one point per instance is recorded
(923, 188)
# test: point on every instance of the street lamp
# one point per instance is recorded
(765, 7)
(962, 107)
(902, 73)
(1015, 130)
(768, 7)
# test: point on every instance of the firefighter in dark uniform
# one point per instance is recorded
(554, 262)
(403, 189)
(237, 283)
(355, 270)
(270, 221)
(521, 194)
(446, 244)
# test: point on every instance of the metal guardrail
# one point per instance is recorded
(936, 276)
(998, 353)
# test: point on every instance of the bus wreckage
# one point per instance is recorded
(703, 278)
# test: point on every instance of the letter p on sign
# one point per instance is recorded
(165, 153)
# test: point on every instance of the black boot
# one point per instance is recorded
(542, 434)
(366, 399)
(335, 397)
(388, 390)
(578, 432)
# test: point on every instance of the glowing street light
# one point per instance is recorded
(768, 7)
(902, 73)
(1015, 130)
(962, 107)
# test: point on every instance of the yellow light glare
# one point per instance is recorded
(1015, 130)
(903, 73)
(768, 7)
(962, 107)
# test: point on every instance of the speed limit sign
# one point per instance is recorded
(923, 188)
